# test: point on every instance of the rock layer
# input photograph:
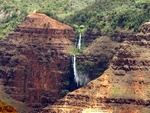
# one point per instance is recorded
(6, 108)
(96, 58)
(122, 88)
(32, 60)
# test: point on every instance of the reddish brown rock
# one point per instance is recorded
(123, 88)
(6, 108)
(34, 64)
(145, 28)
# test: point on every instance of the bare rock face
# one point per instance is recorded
(123, 88)
(90, 37)
(34, 64)
(6, 108)
(145, 28)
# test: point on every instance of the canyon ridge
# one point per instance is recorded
(122, 88)
(36, 71)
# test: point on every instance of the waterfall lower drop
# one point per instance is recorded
(80, 79)
(76, 77)
(79, 41)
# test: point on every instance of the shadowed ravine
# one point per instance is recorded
(36, 65)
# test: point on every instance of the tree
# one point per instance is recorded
(79, 29)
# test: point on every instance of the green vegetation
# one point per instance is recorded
(64, 92)
(95, 69)
(79, 29)
(100, 16)
(13, 12)
(73, 50)
(67, 83)
(105, 16)
(117, 90)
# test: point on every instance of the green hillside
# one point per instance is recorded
(100, 16)
(12, 12)
(104, 16)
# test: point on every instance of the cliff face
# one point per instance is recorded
(96, 58)
(32, 60)
(90, 37)
(6, 108)
(122, 88)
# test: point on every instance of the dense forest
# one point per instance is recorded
(100, 16)
(13, 12)
(105, 16)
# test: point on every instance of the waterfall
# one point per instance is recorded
(76, 77)
(79, 42)
(80, 79)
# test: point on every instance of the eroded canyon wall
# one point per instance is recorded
(122, 88)
(34, 63)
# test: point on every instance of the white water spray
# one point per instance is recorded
(80, 79)
(79, 41)
(76, 77)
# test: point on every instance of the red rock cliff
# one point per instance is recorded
(6, 108)
(123, 88)
(34, 62)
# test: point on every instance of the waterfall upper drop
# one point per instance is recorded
(79, 41)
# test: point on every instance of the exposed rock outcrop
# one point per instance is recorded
(6, 108)
(32, 60)
(89, 38)
(123, 88)
(145, 28)
(96, 58)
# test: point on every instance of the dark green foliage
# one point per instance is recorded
(94, 68)
(102, 16)
(16, 10)
(67, 83)
(106, 16)
(64, 92)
